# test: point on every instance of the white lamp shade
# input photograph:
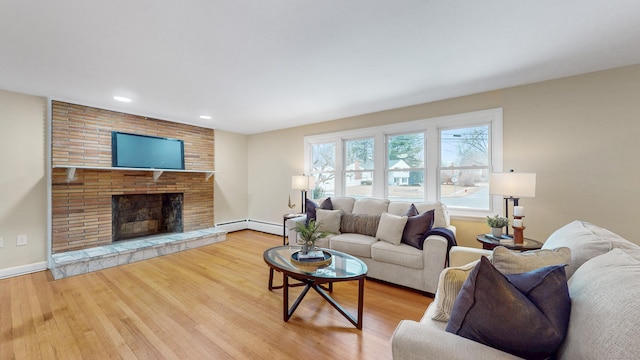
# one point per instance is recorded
(302, 182)
(513, 184)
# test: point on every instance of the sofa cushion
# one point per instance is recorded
(310, 208)
(413, 234)
(370, 206)
(343, 203)
(604, 312)
(328, 220)
(449, 285)
(586, 241)
(523, 314)
(401, 254)
(390, 228)
(353, 244)
(509, 262)
(440, 212)
(359, 224)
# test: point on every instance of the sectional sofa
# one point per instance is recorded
(603, 272)
(370, 229)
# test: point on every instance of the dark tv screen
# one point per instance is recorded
(144, 151)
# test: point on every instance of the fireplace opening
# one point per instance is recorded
(137, 215)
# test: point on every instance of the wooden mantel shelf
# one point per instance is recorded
(71, 170)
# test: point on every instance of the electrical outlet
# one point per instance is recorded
(21, 240)
(1, 242)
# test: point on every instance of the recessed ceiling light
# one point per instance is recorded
(122, 98)
(205, 117)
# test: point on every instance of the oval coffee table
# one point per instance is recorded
(343, 267)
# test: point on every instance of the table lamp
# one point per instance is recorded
(512, 186)
(303, 183)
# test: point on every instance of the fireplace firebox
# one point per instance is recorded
(138, 215)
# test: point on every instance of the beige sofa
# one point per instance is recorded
(398, 264)
(604, 288)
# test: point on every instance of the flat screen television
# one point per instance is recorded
(144, 151)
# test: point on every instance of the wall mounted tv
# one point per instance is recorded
(144, 151)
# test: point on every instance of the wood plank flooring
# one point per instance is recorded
(205, 303)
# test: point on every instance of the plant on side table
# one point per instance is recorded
(496, 224)
(309, 234)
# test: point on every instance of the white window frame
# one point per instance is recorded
(431, 128)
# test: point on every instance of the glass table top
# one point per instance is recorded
(342, 266)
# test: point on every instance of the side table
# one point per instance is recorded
(286, 217)
(489, 242)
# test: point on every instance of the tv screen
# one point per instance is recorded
(143, 151)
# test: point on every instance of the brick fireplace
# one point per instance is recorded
(82, 206)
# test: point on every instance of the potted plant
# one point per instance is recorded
(308, 232)
(496, 224)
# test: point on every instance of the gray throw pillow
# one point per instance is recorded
(526, 314)
(359, 224)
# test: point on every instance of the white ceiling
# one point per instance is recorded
(261, 65)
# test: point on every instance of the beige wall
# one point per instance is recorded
(23, 185)
(579, 134)
(231, 179)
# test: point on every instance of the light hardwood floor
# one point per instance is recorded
(206, 303)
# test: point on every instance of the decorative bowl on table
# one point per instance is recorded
(311, 260)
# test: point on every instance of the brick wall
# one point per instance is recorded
(81, 136)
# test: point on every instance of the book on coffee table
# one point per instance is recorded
(311, 256)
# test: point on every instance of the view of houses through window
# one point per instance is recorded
(427, 162)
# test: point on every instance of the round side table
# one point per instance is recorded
(489, 242)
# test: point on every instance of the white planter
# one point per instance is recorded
(497, 232)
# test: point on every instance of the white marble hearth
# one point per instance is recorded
(102, 257)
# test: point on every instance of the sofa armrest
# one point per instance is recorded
(290, 224)
(461, 255)
(434, 257)
(415, 341)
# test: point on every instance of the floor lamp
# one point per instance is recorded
(512, 186)
(303, 183)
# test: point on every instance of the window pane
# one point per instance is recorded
(468, 189)
(405, 162)
(464, 159)
(359, 183)
(359, 154)
(465, 146)
(323, 165)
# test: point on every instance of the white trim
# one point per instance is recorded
(266, 227)
(235, 225)
(248, 224)
(431, 127)
(23, 269)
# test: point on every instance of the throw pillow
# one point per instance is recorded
(310, 208)
(415, 228)
(390, 228)
(328, 220)
(359, 224)
(525, 314)
(413, 211)
(509, 262)
(449, 285)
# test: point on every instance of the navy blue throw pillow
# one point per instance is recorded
(525, 314)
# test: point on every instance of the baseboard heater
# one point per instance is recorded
(257, 225)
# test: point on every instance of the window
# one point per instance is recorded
(323, 168)
(465, 167)
(359, 167)
(405, 167)
(445, 159)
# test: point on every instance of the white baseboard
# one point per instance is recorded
(235, 225)
(23, 269)
(267, 227)
(257, 225)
